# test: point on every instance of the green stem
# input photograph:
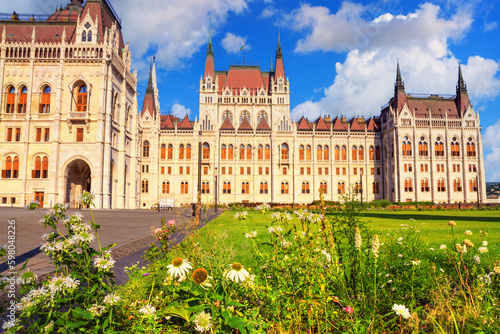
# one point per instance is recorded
(97, 234)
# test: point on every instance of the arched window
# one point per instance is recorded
(11, 168)
(305, 188)
(376, 187)
(181, 151)
(471, 148)
(324, 186)
(408, 185)
(319, 153)
(284, 187)
(267, 152)
(357, 188)
(438, 147)
(377, 152)
(472, 185)
(227, 114)
(406, 147)
(361, 153)
(245, 188)
(170, 152)
(457, 186)
(165, 187)
(84, 36)
(243, 115)
(45, 167)
(308, 153)
(184, 187)
(249, 152)
(242, 152)
(206, 151)
(263, 188)
(423, 150)
(230, 152)
(301, 152)
(260, 152)
(89, 36)
(354, 155)
(455, 149)
(205, 187)
(284, 151)
(226, 187)
(188, 151)
(341, 187)
(163, 151)
(145, 149)
(424, 185)
(343, 153)
(23, 100)
(262, 114)
(371, 153)
(45, 101)
(82, 98)
(441, 186)
(336, 153)
(326, 153)
(223, 152)
(11, 100)
(145, 186)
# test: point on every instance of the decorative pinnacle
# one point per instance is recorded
(399, 80)
(210, 50)
(150, 89)
(279, 53)
(461, 83)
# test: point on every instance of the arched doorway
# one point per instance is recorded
(78, 179)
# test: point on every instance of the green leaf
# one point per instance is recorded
(237, 322)
(83, 313)
(177, 311)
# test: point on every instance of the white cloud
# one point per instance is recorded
(232, 43)
(489, 26)
(491, 143)
(268, 12)
(174, 29)
(364, 81)
(180, 111)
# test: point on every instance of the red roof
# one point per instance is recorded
(355, 126)
(167, 122)
(304, 125)
(245, 125)
(337, 125)
(436, 106)
(149, 105)
(21, 31)
(185, 124)
(279, 69)
(372, 126)
(226, 125)
(209, 67)
(321, 125)
(263, 126)
(239, 77)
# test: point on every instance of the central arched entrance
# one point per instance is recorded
(78, 179)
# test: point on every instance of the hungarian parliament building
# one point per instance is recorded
(70, 122)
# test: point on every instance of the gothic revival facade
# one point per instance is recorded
(68, 119)
(421, 148)
(69, 122)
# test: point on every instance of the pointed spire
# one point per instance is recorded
(4, 34)
(33, 35)
(150, 89)
(210, 50)
(399, 80)
(271, 65)
(461, 86)
(279, 53)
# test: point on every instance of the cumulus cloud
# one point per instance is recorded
(364, 81)
(180, 111)
(491, 143)
(232, 43)
(268, 12)
(489, 26)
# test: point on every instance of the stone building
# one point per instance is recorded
(68, 119)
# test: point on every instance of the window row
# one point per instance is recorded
(440, 185)
(423, 148)
(40, 170)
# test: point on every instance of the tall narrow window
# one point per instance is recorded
(145, 149)
(206, 151)
(319, 153)
(324, 186)
(170, 152)
(308, 153)
(376, 187)
(343, 153)
(408, 185)
(84, 36)
(377, 153)
(337, 153)
(354, 155)
(36, 172)
(163, 151)
(267, 153)
(326, 153)
(11, 100)
(89, 36)
(79, 134)
(471, 148)
(9, 134)
(15, 168)
(301, 152)
(23, 100)
(223, 152)
(284, 152)
(181, 151)
(45, 167)
(242, 152)
(82, 98)
(284, 187)
(455, 149)
(260, 152)
(38, 134)
(406, 147)
(165, 189)
(370, 153)
(361, 153)
(7, 172)
(188, 151)
(438, 147)
(230, 152)
(249, 152)
(422, 147)
(263, 188)
(45, 101)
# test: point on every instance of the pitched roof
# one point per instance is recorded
(321, 125)
(245, 125)
(263, 126)
(149, 105)
(304, 125)
(372, 126)
(239, 77)
(167, 122)
(355, 126)
(337, 125)
(436, 106)
(185, 124)
(227, 125)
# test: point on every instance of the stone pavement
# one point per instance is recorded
(129, 229)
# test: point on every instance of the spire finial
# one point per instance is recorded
(461, 86)
(210, 50)
(150, 90)
(271, 65)
(279, 53)
(399, 80)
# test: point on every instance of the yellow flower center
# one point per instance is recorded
(237, 266)
(177, 262)
(200, 275)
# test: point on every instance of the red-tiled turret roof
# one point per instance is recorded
(337, 125)
(263, 126)
(245, 125)
(372, 126)
(355, 126)
(167, 122)
(304, 125)
(226, 125)
(185, 124)
(321, 125)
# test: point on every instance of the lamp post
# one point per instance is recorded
(216, 190)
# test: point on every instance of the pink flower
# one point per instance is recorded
(348, 309)
(171, 222)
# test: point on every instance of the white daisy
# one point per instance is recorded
(485, 243)
(482, 250)
(112, 299)
(202, 322)
(402, 311)
(104, 263)
(442, 247)
(237, 273)
(179, 267)
(148, 310)
(96, 310)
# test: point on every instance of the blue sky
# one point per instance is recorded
(340, 57)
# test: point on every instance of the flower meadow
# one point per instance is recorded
(305, 272)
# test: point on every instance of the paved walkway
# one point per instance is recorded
(129, 229)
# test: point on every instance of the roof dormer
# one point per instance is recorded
(87, 30)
